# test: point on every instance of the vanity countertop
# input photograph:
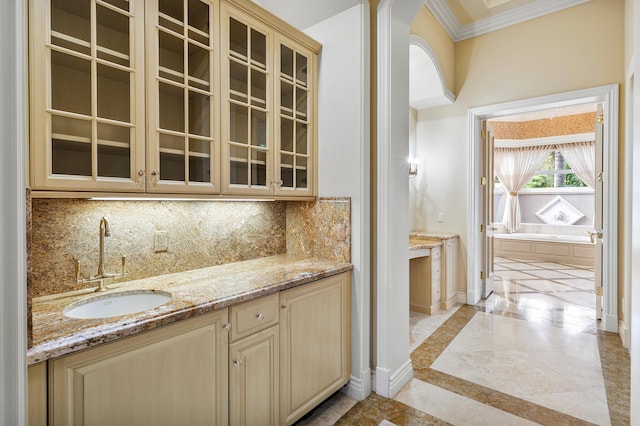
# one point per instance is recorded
(423, 243)
(194, 292)
(427, 235)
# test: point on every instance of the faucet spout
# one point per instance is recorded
(104, 232)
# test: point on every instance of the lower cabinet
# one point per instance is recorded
(315, 344)
(264, 362)
(425, 282)
(253, 379)
(176, 375)
(37, 396)
(450, 273)
(254, 363)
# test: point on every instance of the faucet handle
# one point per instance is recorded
(124, 265)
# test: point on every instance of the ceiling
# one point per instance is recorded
(463, 19)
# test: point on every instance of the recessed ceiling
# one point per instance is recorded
(463, 19)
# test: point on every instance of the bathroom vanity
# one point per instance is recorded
(432, 271)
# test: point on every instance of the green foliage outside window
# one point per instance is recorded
(544, 178)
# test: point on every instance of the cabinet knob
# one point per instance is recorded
(140, 179)
(260, 316)
(284, 307)
(226, 327)
(237, 362)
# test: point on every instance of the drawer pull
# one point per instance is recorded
(260, 316)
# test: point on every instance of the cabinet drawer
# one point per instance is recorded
(253, 316)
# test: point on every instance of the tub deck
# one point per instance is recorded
(569, 249)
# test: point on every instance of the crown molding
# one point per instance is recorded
(459, 32)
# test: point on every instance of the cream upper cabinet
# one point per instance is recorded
(87, 95)
(171, 96)
(173, 375)
(182, 96)
(269, 104)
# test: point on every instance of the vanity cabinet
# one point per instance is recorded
(173, 375)
(254, 363)
(449, 278)
(315, 344)
(425, 275)
(165, 96)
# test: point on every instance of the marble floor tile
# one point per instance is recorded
(517, 266)
(524, 359)
(580, 273)
(517, 275)
(330, 411)
(531, 352)
(541, 285)
(453, 408)
(549, 274)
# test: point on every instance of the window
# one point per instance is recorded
(555, 172)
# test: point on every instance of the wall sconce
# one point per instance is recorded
(413, 167)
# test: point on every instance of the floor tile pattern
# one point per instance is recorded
(531, 353)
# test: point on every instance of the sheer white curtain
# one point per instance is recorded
(515, 167)
(581, 156)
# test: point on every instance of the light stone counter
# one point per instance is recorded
(194, 292)
(425, 235)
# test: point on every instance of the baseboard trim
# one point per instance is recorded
(359, 387)
(461, 297)
(625, 334)
(387, 384)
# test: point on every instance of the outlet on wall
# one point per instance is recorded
(160, 241)
(440, 217)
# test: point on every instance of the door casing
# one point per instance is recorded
(608, 96)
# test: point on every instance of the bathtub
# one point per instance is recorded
(569, 249)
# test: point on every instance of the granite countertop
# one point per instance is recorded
(194, 292)
(432, 235)
(423, 243)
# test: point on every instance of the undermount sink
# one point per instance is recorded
(116, 304)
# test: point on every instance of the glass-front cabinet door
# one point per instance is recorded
(248, 139)
(294, 127)
(182, 144)
(87, 95)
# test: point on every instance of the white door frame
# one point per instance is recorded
(608, 96)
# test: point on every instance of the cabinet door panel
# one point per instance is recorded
(175, 375)
(253, 379)
(183, 147)
(315, 344)
(295, 134)
(247, 155)
(87, 87)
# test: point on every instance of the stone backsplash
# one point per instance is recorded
(320, 228)
(196, 234)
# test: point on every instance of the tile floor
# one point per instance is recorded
(531, 353)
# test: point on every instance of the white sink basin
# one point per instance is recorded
(116, 304)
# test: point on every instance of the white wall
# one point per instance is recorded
(13, 342)
(556, 53)
(344, 158)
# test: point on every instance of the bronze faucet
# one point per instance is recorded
(105, 231)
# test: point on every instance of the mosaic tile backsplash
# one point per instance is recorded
(160, 237)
